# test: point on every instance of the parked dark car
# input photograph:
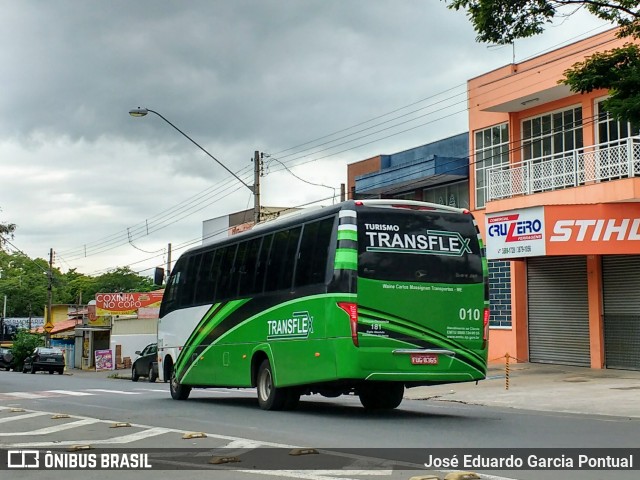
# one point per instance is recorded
(47, 359)
(6, 359)
(146, 365)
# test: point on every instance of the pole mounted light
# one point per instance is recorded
(142, 112)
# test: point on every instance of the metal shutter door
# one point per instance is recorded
(558, 310)
(621, 292)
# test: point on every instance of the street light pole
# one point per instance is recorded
(141, 112)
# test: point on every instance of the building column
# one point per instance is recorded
(596, 309)
(519, 309)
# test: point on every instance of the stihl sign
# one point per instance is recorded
(593, 230)
(602, 229)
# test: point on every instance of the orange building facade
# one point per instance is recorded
(555, 184)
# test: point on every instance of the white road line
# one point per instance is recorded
(22, 417)
(71, 392)
(26, 395)
(53, 429)
(119, 392)
(152, 390)
(133, 437)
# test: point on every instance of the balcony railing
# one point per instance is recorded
(593, 164)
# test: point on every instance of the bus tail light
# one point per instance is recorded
(485, 326)
(352, 310)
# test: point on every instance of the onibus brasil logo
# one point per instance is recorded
(433, 242)
(300, 325)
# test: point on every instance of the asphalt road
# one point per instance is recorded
(233, 423)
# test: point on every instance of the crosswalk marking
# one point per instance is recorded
(74, 393)
(26, 395)
(71, 392)
(52, 429)
(104, 390)
(21, 417)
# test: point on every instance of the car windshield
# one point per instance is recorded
(49, 351)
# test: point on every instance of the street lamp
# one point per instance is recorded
(255, 189)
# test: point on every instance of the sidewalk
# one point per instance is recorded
(555, 388)
(532, 386)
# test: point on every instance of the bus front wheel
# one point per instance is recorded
(178, 391)
(270, 397)
(381, 396)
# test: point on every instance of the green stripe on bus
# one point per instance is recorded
(345, 266)
(346, 258)
(205, 330)
(347, 235)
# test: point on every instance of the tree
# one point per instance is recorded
(123, 279)
(23, 345)
(6, 231)
(618, 70)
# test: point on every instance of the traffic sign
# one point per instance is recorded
(48, 327)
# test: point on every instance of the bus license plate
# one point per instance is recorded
(424, 359)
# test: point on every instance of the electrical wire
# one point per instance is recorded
(184, 207)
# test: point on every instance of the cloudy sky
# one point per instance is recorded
(315, 84)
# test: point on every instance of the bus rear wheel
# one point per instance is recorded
(381, 396)
(270, 397)
(178, 390)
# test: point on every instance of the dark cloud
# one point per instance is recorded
(236, 76)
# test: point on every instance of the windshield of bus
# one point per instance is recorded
(418, 246)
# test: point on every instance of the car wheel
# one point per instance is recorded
(134, 374)
(269, 397)
(178, 391)
(153, 376)
(50, 372)
(61, 371)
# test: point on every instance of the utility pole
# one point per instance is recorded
(168, 262)
(4, 315)
(49, 319)
(257, 169)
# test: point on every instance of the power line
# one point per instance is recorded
(185, 209)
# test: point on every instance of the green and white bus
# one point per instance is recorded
(363, 297)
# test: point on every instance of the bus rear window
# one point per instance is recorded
(413, 246)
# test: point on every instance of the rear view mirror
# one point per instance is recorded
(158, 276)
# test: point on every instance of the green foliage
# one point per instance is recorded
(617, 70)
(25, 281)
(502, 21)
(23, 345)
(123, 279)
(6, 232)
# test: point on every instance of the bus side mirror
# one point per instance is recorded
(158, 276)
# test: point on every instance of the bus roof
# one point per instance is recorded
(308, 214)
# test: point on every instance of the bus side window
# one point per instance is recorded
(282, 259)
(286, 275)
(314, 251)
(261, 264)
(224, 288)
(206, 282)
(187, 287)
(170, 298)
(236, 271)
(247, 270)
